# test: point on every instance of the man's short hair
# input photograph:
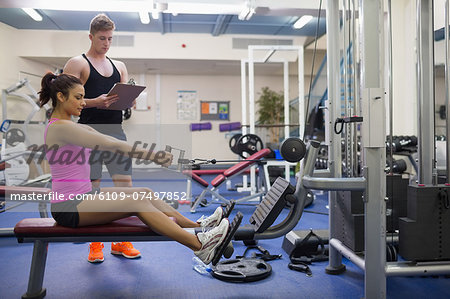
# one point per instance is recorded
(101, 22)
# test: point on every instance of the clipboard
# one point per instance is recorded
(127, 94)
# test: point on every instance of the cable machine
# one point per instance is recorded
(429, 198)
(248, 118)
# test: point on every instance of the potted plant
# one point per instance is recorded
(271, 112)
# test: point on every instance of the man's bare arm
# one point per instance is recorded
(78, 67)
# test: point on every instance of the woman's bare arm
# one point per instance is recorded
(65, 132)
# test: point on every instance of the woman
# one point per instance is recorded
(68, 147)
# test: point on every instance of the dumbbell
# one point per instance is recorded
(398, 166)
(399, 142)
(408, 141)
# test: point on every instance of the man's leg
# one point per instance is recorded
(121, 176)
(122, 180)
(96, 248)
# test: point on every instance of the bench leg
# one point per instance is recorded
(189, 190)
(197, 201)
(37, 270)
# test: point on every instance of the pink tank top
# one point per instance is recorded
(70, 169)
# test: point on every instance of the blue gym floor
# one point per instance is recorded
(165, 268)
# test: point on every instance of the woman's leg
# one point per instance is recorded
(97, 211)
(160, 205)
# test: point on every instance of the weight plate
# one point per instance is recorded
(309, 199)
(249, 144)
(173, 203)
(389, 257)
(242, 270)
(229, 250)
(292, 149)
(15, 136)
(233, 143)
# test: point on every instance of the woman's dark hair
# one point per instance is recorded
(51, 84)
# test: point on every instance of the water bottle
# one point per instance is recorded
(200, 267)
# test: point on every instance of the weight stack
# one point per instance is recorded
(349, 212)
(348, 220)
(424, 235)
(396, 192)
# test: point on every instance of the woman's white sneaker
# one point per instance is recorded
(213, 220)
(211, 240)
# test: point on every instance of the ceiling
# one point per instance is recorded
(271, 18)
(214, 24)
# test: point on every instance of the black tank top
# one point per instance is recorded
(97, 85)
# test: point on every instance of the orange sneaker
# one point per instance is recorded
(126, 249)
(95, 252)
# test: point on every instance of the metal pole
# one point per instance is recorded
(286, 112)
(244, 96)
(356, 111)
(374, 138)
(251, 90)
(347, 131)
(251, 107)
(333, 105)
(286, 98)
(447, 95)
(301, 93)
(425, 88)
(348, 253)
(158, 107)
(390, 75)
(417, 269)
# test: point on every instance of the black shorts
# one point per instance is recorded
(66, 213)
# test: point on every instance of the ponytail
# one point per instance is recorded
(51, 84)
(45, 93)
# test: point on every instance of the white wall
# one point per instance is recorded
(439, 22)
(15, 69)
(404, 72)
(205, 144)
(440, 100)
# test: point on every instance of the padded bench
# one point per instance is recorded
(42, 231)
(212, 171)
(227, 174)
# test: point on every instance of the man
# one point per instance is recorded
(98, 74)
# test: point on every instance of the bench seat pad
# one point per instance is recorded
(214, 171)
(196, 178)
(247, 162)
